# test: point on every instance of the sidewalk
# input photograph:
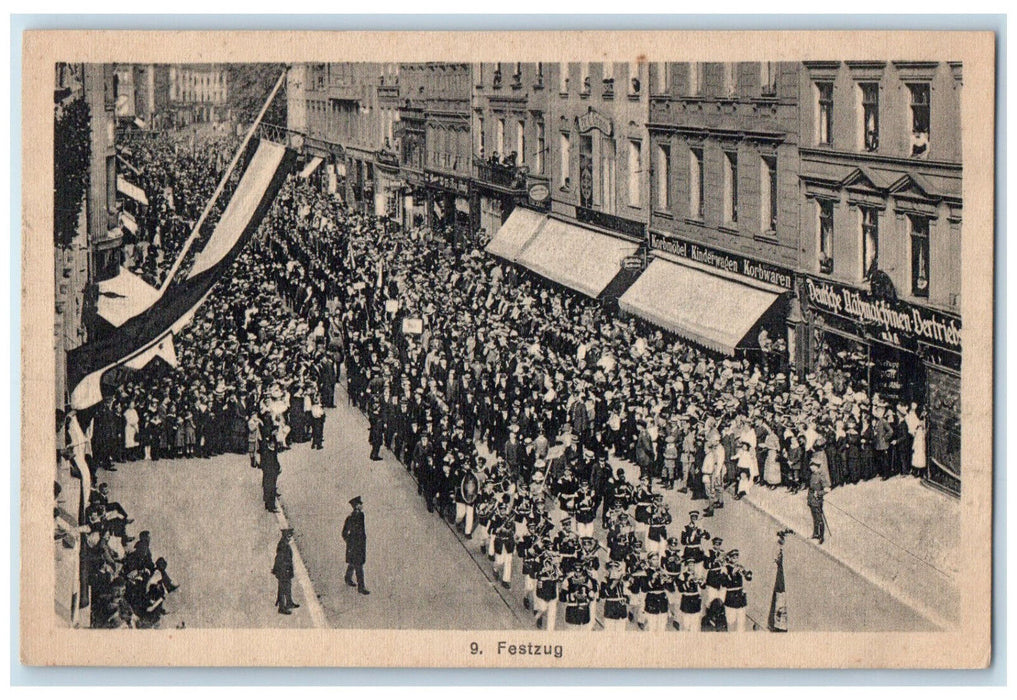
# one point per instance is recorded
(207, 519)
(899, 534)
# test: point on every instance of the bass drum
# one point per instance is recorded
(469, 488)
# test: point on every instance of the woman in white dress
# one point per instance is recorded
(132, 424)
(918, 462)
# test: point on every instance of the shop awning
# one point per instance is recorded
(709, 310)
(132, 191)
(576, 257)
(515, 233)
(310, 167)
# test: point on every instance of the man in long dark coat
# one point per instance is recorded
(282, 569)
(269, 465)
(355, 535)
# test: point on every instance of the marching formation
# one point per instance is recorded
(506, 397)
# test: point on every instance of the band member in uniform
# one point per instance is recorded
(660, 518)
(521, 510)
(635, 569)
(503, 530)
(735, 575)
(466, 497)
(484, 509)
(545, 606)
(714, 565)
(620, 494)
(586, 511)
(579, 595)
(643, 502)
(614, 594)
(656, 587)
(529, 547)
(620, 537)
(692, 538)
(690, 607)
(567, 544)
(671, 564)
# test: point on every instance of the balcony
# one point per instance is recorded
(508, 177)
(344, 93)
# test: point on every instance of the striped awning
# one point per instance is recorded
(132, 191)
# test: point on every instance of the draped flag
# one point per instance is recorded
(778, 603)
(148, 318)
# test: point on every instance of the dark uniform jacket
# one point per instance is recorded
(355, 535)
(282, 569)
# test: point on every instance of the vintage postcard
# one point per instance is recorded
(546, 349)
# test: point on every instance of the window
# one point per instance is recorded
(825, 112)
(919, 256)
(662, 78)
(566, 159)
(730, 187)
(768, 193)
(608, 78)
(480, 137)
(584, 78)
(539, 82)
(635, 155)
(541, 147)
(870, 241)
(919, 119)
(768, 79)
(663, 177)
(520, 142)
(563, 77)
(825, 236)
(634, 84)
(499, 138)
(870, 115)
(695, 78)
(696, 183)
(608, 174)
(728, 79)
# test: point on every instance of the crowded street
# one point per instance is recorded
(299, 411)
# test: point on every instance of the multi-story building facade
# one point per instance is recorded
(881, 234)
(93, 253)
(510, 139)
(723, 201)
(198, 92)
(448, 148)
(593, 139)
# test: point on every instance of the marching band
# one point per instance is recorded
(638, 574)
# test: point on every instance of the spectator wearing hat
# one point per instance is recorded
(355, 535)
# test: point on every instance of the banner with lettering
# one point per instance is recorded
(897, 323)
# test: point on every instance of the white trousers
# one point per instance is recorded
(503, 562)
(584, 529)
(656, 622)
(614, 625)
(465, 512)
(735, 619)
(548, 609)
(690, 622)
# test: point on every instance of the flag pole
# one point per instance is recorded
(222, 183)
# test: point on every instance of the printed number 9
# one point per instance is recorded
(474, 648)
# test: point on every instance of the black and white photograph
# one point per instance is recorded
(661, 349)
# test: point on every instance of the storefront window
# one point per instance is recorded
(919, 256)
(943, 429)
